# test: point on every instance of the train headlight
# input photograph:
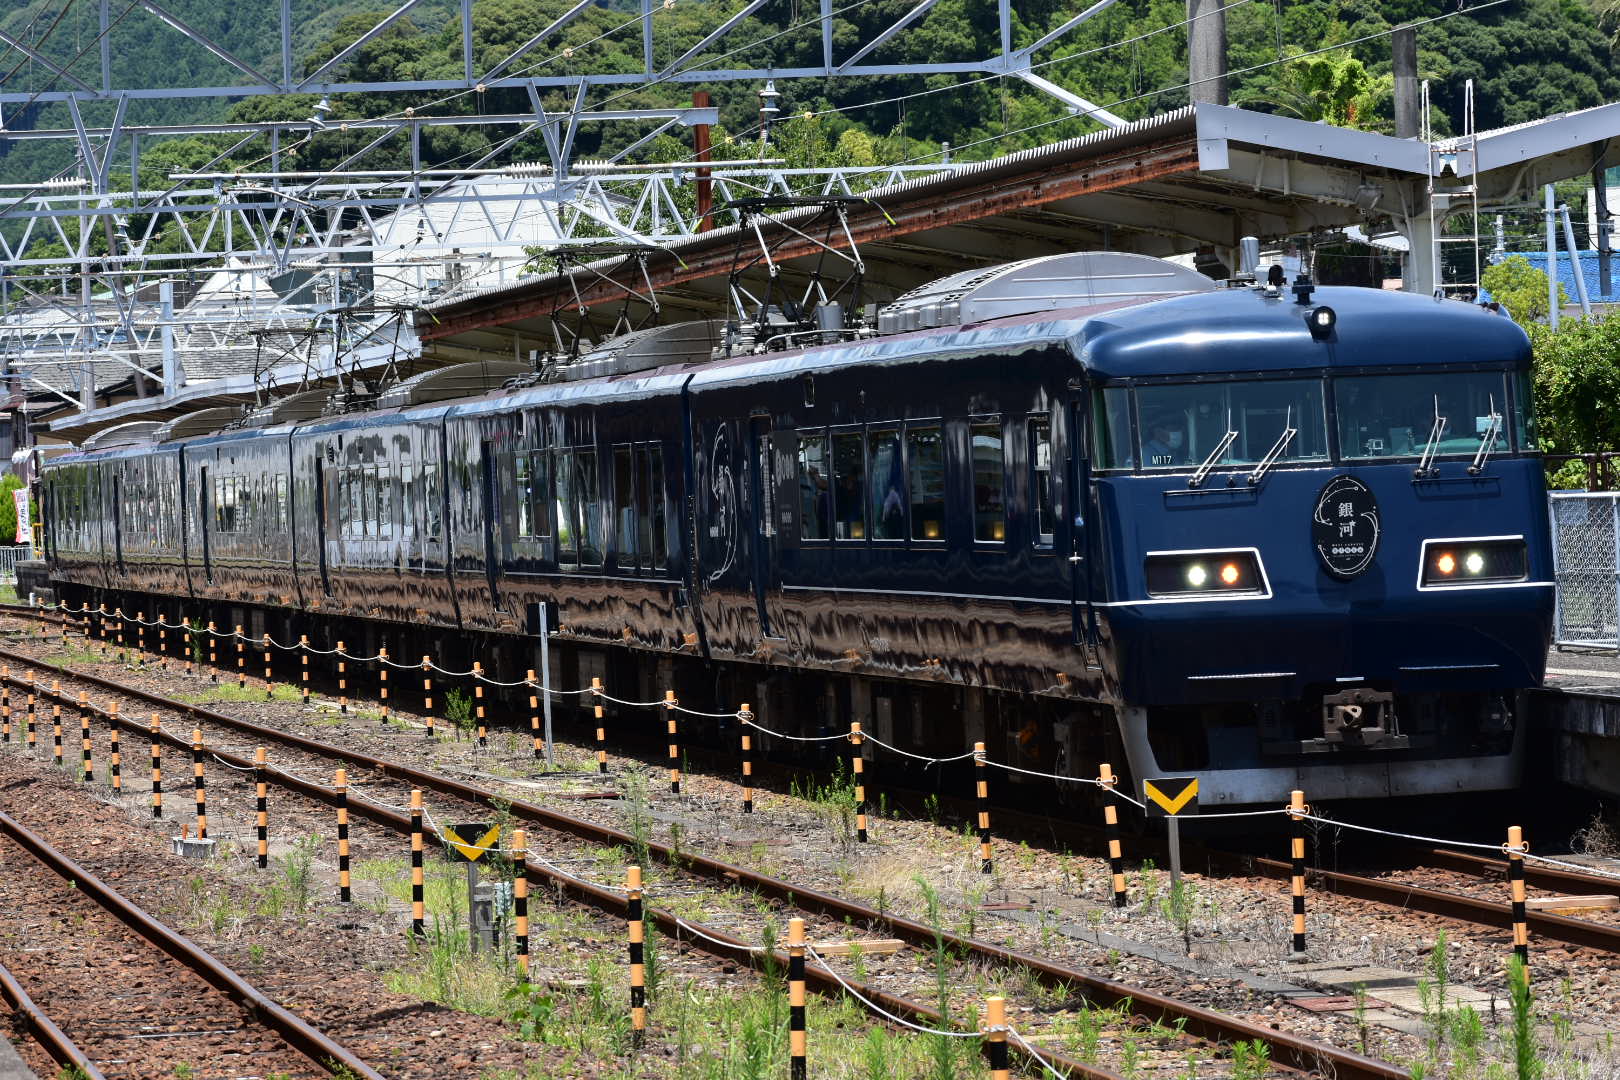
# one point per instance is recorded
(1204, 573)
(1474, 562)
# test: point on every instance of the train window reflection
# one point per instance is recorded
(888, 485)
(815, 490)
(989, 484)
(432, 501)
(1393, 415)
(1183, 424)
(567, 532)
(624, 506)
(590, 509)
(1524, 410)
(524, 486)
(849, 499)
(655, 488)
(1111, 425)
(1040, 480)
(925, 469)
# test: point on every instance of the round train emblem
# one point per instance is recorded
(1344, 527)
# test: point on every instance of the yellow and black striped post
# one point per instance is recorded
(56, 721)
(157, 767)
(1116, 860)
(796, 1034)
(123, 656)
(747, 721)
(343, 681)
(1296, 843)
(213, 653)
(342, 786)
(5, 702)
(241, 659)
(163, 642)
(103, 630)
(197, 783)
(267, 669)
(303, 666)
(261, 806)
(191, 647)
(33, 696)
(84, 735)
(418, 883)
(520, 899)
(382, 683)
(995, 1037)
(674, 744)
(536, 740)
(1516, 847)
(638, 959)
(478, 704)
(427, 693)
(116, 759)
(84, 609)
(140, 634)
(857, 772)
(981, 789)
(601, 725)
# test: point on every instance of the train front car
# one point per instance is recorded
(1323, 529)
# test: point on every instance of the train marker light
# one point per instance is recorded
(1230, 574)
(1197, 575)
(1475, 562)
(1321, 320)
(1446, 564)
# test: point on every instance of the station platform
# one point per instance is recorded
(1580, 704)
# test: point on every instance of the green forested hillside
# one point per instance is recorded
(1527, 58)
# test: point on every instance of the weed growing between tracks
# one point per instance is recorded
(230, 692)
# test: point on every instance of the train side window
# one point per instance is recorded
(989, 483)
(432, 501)
(1524, 411)
(849, 486)
(408, 518)
(645, 496)
(590, 509)
(888, 486)
(567, 519)
(1040, 481)
(925, 475)
(655, 487)
(1111, 428)
(815, 494)
(624, 506)
(525, 492)
(385, 501)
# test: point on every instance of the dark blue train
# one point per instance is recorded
(1084, 508)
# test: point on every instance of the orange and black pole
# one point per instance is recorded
(303, 666)
(418, 883)
(84, 736)
(520, 898)
(342, 785)
(5, 702)
(637, 927)
(747, 719)
(857, 771)
(981, 787)
(343, 681)
(601, 725)
(535, 739)
(261, 806)
(268, 671)
(382, 684)
(427, 693)
(115, 757)
(1515, 850)
(674, 744)
(1296, 843)
(478, 704)
(797, 1067)
(157, 767)
(198, 786)
(1116, 859)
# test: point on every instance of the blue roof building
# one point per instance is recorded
(1589, 266)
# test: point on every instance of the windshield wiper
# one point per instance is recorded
(1197, 479)
(1426, 466)
(1492, 430)
(1277, 448)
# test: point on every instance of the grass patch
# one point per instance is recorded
(226, 692)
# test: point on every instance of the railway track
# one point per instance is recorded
(175, 984)
(1287, 1050)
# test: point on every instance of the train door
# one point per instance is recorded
(320, 519)
(762, 487)
(207, 533)
(493, 541)
(1079, 517)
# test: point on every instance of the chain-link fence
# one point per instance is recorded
(1584, 536)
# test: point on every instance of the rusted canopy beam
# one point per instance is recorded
(978, 197)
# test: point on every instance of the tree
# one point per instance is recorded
(1520, 287)
(1333, 87)
(1577, 381)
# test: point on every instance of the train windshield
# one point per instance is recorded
(1394, 415)
(1181, 426)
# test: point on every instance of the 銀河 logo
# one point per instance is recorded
(1344, 527)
